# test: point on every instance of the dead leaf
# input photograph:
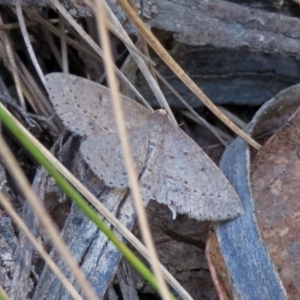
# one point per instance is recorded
(217, 268)
(275, 185)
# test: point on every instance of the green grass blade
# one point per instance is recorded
(77, 198)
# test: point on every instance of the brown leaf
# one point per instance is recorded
(217, 268)
(275, 180)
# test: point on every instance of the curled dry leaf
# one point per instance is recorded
(247, 257)
(217, 268)
(275, 188)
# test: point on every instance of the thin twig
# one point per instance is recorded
(64, 49)
(116, 31)
(232, 117)
(11, 26)
(143, 67)
(40, 104)
(96, 48)
(221, 136)
(47, 258)
(132, 176)
(27, 42)
(5, 60)
(142, 41)
(14, 69)
(19, 177)
(190, 109)
(212, 268)
(49, 39)
(121, 33)
(33, 15)
(7, 99)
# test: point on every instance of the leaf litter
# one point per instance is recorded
(275, 177)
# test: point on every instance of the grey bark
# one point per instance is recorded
(212, 22)
(97, 257)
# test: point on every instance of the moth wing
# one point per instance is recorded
(84, 106)
(104, 156)
(184, 178)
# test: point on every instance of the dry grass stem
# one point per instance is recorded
(39, 101)
(13, 65)
(27, 42)
(124, 40)
(81, 49)
(64, 49)
(49, 39)
(99, 207)
(5, 60)
(222, 137)
(143, 67)
(22, 226)
(94, 46)
(22, 182)
(120, 121)
(232, 117)
(192, 111)
(11, 26)
(213, 271)
(164, 55)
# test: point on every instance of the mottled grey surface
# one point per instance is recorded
(172, 169)
(226, 76)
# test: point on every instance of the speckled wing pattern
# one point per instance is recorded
(183, 177)
(85, 108)
(171, 168)
(105, 158)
